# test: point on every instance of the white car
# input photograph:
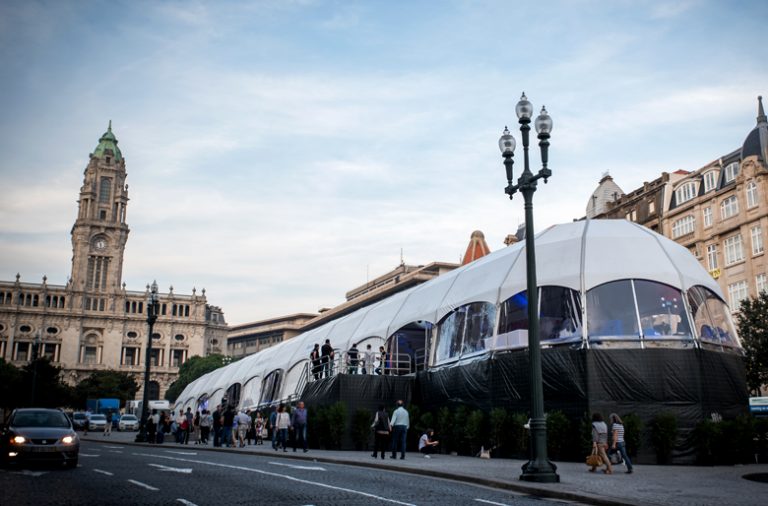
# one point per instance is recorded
(128, 422)
(97, 422)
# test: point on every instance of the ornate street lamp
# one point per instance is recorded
(153, 306)
(539, 468)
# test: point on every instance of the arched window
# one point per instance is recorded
(729, 207)
(710, 180)
(464, 331)
(104, 189)
(270, 391)
(559, 318)
(712, 319)
(233, 394)
(731, 171)
(685, 192)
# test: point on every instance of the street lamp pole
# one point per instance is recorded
(35, 355)
(539, 468)
(152, 310)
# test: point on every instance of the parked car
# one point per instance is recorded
(128, 422)
(78, 420)
(39, 434)
(97, 421)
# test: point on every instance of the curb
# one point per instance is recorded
(475, 480)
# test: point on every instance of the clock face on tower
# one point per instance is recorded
(100, 243)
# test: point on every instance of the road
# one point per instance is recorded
(128, 475)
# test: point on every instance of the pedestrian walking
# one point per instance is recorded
(282, 422)
(217, 417)
(151, 427)
(108, 425)
(299, 426)
(400, 423)
(273, 427)
(618, 444)
(243, 426)
(600, 442)
(228, 420)
(259, 428)
(206, 421)
(161, 428)
(189, 420)
(381, 431)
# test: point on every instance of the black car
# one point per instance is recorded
(38, 434)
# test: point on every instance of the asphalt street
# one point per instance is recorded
(118, 474)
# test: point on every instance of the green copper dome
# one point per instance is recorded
(108, 145)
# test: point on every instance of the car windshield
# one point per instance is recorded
(79, 416)
(98, 417)
(129, 418)
(40, 419)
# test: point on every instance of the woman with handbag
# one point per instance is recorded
(381, 429)
(599, 444)
(617, 428)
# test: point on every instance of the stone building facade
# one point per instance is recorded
(719, 212)
(93, 322)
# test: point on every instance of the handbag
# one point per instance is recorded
(593, 459)
(614, 456)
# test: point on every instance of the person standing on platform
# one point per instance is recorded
(314, 359)
(382, 361)
(368, 359)
(327, 358)
(353, 358)
(400, 423)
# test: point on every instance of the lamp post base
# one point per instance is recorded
(540, 472)
(141, 437)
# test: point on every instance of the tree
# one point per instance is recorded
(49, 389)
(10, 384)
(191, 370)
(106, 384)
(753, 330)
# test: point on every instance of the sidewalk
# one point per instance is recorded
(648, 485)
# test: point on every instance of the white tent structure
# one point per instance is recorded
(603, 284)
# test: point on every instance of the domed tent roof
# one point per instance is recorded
(580, 255)
(756, 143)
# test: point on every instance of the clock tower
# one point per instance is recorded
(100, 231)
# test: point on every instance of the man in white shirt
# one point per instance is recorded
(400, 422)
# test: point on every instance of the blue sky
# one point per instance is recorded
(279, 152)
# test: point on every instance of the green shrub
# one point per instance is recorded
(663, 436)
(458, 430)
(336, 419)
(499, 421)
(444, 429)
(558, 434)
(474, 431)
(361, 428)
(705, 439)
(520, 437)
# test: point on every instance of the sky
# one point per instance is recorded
(280, 153)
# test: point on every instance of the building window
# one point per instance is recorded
(651, 207)
(685, 192)
(707, 216)
(132, 335)
(736, 293)
(156, 357)
(757, 240)
(25, 329)
(685, 225)
(761, 283)
(90, 355)
(751, 194)
(51, 351)
(712, 257)
(734, 252)
(729, 207)
(178, 357)
(731, 171)
(22, 351)
(710, 180)
(179, 337)
(104, 189)
(130, 356)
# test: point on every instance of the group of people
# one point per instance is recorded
(322, 360)
(391, 433)
(601, 442)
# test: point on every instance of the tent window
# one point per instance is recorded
(712, 319)
(271, 388)
(559, 315)
(611, 314)
(465, 330)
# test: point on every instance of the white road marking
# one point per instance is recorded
(185, 470)
(188, 503)
(103, 472)
(276, 475)
(310, 468)
(491, 502)
(181, 453)
(115, 451)
(148, 487)
(89, 455)
(114, 447)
